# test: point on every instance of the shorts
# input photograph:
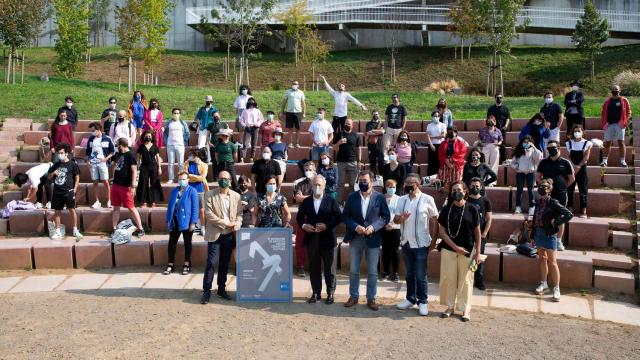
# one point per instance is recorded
(121, 196)
(614, 132)
(201, 200)
(293, 120)
(545, 241)
(316, 151)
(99, 172)
(59, 201)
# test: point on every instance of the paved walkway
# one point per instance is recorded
(573, 306)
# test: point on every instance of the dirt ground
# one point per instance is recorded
(142, 323)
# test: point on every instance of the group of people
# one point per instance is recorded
(398, 218)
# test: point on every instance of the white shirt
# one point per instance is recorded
(175, 133)
(96, 148)
(573, 145)
(35, 173)
(392, 203)
(365, 204)
(294, 100)
(342, 99)
(320, 130)
(241, 103)
(251, 117)
(316, 204)
(153, 115)
(415, 229)
(436, 130)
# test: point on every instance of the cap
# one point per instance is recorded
(277, 131)
(208, 98)
(225, 132)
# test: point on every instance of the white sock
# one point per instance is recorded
(544, 283)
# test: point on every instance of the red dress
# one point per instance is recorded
(155, 127)
(62, 134)
(451, 174)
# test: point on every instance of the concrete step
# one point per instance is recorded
(614, 281)
(622, 240)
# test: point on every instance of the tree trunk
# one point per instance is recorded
(469, 57)
(593, 70)
(461, 51)
(295, 49)
(226, 75)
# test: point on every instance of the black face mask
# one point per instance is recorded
(542, 190)
(553, 151)
(403, 139)
(409, 189)
(242, 187)
(450, 135)
(147, 139)
(615, 93)
(474, 190)
(499, 101)
(347, 127)
(120, 119)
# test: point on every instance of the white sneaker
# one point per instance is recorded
(532, 210)
(109, 204)
(290, 146)
(623, 163)
(48, 206)
(169, 182)
(77, 235)
(518, 210)
(38, 205)
(556, 294)
(57, 235)
(603, 163)
(96, 205)
(542, 288)
(560, 245)
(405, 304)
(423, 310)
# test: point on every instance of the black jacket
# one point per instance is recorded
(72, 116)
(328, 214)
(554, 216)
(568, 102)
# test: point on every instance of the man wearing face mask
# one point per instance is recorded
(553, 114)
(293, 111)
(574, 113)
(72, 112)
(226, 155)
(65, 176)
(123, 129)
(109, 115)
(348, 143)
(477, 198)
(262, 169)
(560, 170)
(616, 113)
(302, 189)
(205, 117)
(248, 200)
(124, 186)
(501, 113)
(99, 150)
(176, 137)
(365, 214)
(341, 98)
(374, 132)
(414, 211)
(224, 218)
(396, 115)
(279, 153)
(319, 215)
(322, 135)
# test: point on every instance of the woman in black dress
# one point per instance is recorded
(149, 191)
(394, 170)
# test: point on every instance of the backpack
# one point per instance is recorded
(123, 232)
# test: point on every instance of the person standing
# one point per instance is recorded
(250, 120)
(374, 133)
(72, 112)
(396, 116)
(65, 175)
(404, 151)
(279, 153)
(100, 150)
(490, 140)
(224, 218)
(109, 115)
(459, 225)
(182, 217)
(329, 170)
(477, 198)
(264, 168)
(137, 107)
(553, 114)
(226, 155)
(125, 177)
(37, 180)
(436, 131)
(319, 216)
(149, 192)
(549, 216)
(123, 129)
(241, 104)
(248, 200)
(197, 170)
(393, 170)
(62, 131)
(205, 117)
(560, 171)
(272, 209)
(616, 113)
(502, 115)
(538, 129)
(293, 111)
(348, 157)
(574, 113)
(413, 212)
(152, 122)
(390, 236)
(322, 135)
(176, 137)
(302, 189)
(341, 98)
(579, 153)
(365, 215)
(451, 158)
(526, 159)
(445, 114)
(267, 129)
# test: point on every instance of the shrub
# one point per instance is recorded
(629, 82)
(442, 87)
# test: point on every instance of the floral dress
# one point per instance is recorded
(270, 212)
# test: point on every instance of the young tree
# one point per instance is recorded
(129, 28)
(313, 49)
(20, 22)
(72, 26)
(155, 25)
(219, 32)
(99, 12)
(591, 31)
(465, 24)
(296, 19)
(394, 28)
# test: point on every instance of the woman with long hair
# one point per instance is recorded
(405, 153)
(526, 158)
(538, 129)
(250, 120)
(240, 104)
(329, 170)
(272, 210)
(61, 131)
(153, 122)
(137, 108)
(149, 191)
(451, 157)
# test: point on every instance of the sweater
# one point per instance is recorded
(528, 163)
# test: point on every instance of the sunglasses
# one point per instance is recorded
(112, 102)
(176, 113)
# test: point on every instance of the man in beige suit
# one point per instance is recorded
(224, 217)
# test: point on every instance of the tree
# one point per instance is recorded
(72, 26)
(219, 32)
(394, 28)
(20, 22)
(465, 24)
(296, 19)
(591, 31)
(99, 11)
(313, 49)
(129, 28)
(155, 25)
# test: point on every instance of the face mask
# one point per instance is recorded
(147, 139)
(63, 121)
(363, 186)
(499, 101)
(242, 187)
(183, 183)
(475, 158)
(575, 88)
(526, 146)
(376, 117)
(294, 87)
(95, 133)
(319, 116)
(450, 135)
(309, 174)
(347, 127)
(458, 195)
(69, 105)
(615, 93)
(577, 134)
(325, 162)
(271, 188)
(548, 100)
(490, 123)
(318, 191)
(537, 122)
(542, 190)
(474, 190)
(277, 138)
(61, 157)
(392, 157)
(120, 119)
(208, 103)
(245, 91)
(176, 117)
(138, 97)
(270, 117)
(435, 119)
(553, 151)
(403, 138)
(223, 183)
(191, 158)
(266, 156)
(391, 191)
(409, 189)
(112, 106)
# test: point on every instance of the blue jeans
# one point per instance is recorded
(415, 261)
(356, 247)
(317, 150)
(213, 255)
(520, 179)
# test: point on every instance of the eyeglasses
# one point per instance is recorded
(176, 113)
(222, 178)
(112, 102)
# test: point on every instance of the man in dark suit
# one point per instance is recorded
(365, 215)
(319, 215)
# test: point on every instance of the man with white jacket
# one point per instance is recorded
(342, 99)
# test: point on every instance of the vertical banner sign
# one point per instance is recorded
(263, 265)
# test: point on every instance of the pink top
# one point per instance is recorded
(155, 126)
(251, 117)
(62, 134)
(404, 153)
(266, 132)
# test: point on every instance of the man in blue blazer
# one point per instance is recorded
(318, 216)
(365, 215)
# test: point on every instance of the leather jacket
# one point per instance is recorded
(554, 216)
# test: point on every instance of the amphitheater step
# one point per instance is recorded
(622, 240)
(614, 281)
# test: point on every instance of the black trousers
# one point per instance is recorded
(321, 258)
(338, 123)
(174, 235)
(45, 185)
(479, 274)
(433, 161)
(390, 244)
(376, 158)
(227, 244)
(583, 188)
(231, 168)
(574, 119)
(561, 196)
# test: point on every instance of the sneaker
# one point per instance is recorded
(290, 146)
(556, 294)
(169, 182)
(109, 204)
(202, 231)
(623, 163)
(395, 278)
(560, 246)
(604, 162)
(138, 233)
(297, 146)
(300, 272)
(384, 276)
(518, 210)
(96, 205)
(532, 210)
(405, 304)
(423, 309)
(542, 288)
(38, 205)
(48, 206)
(77, 235)
(57, 235)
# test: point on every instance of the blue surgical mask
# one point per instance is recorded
(391, 191)
(364, 186)
(271, 188)
(526, 146)
(392, 157)
(183, 183)
(138, 97)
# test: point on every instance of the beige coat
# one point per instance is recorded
(215, 218)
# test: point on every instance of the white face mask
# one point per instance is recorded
(577, 134)
(294, 87)
(63, 121)
(191, 158)
(277, 138)
(270, 117)
(69, 104)
(319, 116)
(318, 191)
(537, 122)
(325, 162)
(548, 100)
(245, 91)
(266, 156)
(575, 88)
(309, 174)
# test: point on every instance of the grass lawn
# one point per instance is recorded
(39, 100)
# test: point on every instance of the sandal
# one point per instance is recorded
(186, 270)
(169, 270)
